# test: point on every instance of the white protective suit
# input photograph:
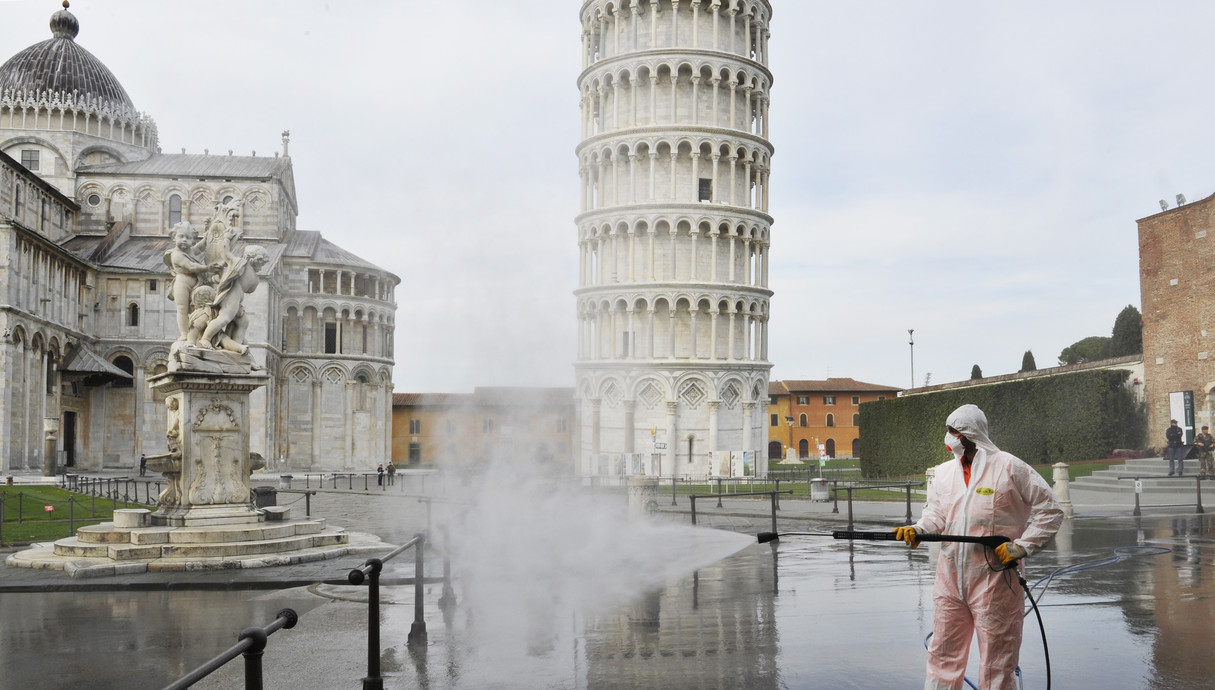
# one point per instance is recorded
(969, 596)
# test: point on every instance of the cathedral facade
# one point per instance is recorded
(673, 298)
(87, 202)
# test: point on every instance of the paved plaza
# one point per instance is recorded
(622, 606)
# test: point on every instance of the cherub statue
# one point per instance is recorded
(220, 234)
(238, 279)
(203, 302)
(188, 272)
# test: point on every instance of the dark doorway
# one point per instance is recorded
(69, 439)
(774, 450)
(415, 453)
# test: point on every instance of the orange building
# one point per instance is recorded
(804, 415)
(490, 423)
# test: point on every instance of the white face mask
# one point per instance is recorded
(954, 444)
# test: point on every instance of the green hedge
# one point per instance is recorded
(1064, 418)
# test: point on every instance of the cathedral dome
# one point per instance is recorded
(59, 65)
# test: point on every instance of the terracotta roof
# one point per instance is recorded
(835, 385)
(777, 388)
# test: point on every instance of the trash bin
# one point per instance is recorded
(264, 496)
(818, 490)
(284, 481)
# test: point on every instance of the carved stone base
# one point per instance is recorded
(202, 516)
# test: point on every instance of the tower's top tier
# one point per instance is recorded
(616, 28)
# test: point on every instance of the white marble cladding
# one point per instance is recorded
(674, 236)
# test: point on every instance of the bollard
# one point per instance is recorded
(1198, 483)
(308, 504)
(777, 493)
(1137, 512)
(674, 480)
(1062, 492)
(719, 492)
(692, 498)
(774, 512)
(835, 496)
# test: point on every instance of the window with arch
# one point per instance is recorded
(803, 448)
(174, 209)
(133, 314)
(830, 447)
(856, 420)
(18, 201)
(123, 362)
(802, 420)
(856, 448)
(830, 420)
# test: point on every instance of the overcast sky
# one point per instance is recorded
(970, 170)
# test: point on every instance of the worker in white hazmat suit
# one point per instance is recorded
(982, 491)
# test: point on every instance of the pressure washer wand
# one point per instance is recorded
(992, 541)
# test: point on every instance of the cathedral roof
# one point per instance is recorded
(197, 165)
(310, 245)
(60, 66)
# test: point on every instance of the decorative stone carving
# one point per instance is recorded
(212, 275)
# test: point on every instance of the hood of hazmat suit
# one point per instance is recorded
(1006, 497)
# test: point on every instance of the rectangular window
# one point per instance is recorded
(561, 426)
(803, 400)
(705, 190)
(856, 400)
(152, 285)
(18, 206)
(881, 397)
(29, 159)
(331, 339)
(415, 426)
(828, 399)
(625, 339)
(46, 216)
(487, 426)
(775, 420)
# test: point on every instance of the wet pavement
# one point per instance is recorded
(623, 606)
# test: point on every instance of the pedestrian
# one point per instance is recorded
(982, 491)
(143, 464)
(1175, 451)
(1205, 443)
(392, 471)
(379, 471)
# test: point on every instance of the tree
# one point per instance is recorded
(1090, 349)
(976, 372)
(1127, 338)
(1027, 362)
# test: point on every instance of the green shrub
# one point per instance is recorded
(1064, 418)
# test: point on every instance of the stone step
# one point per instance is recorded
(252, 548)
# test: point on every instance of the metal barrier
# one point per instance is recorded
(417, 632)
(252, 643)
(835, 491)
(772, 494)
(1198, 491)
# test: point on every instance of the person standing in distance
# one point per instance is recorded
(1205, 443)
(982, 491)
(1173, 435)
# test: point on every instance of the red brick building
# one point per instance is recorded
(1177, 289)
(823, 413)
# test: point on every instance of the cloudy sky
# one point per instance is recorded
(970, 170)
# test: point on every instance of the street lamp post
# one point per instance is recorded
(911, 344)
(789, 421)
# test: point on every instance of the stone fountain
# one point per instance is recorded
(206, 518)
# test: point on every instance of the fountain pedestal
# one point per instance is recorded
(208, 463)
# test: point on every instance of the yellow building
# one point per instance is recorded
(432, 429)
(806, 414)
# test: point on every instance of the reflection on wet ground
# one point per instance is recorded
(806, 613)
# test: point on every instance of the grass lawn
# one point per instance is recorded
(26, 518)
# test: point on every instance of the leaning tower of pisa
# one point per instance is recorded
(673, 298)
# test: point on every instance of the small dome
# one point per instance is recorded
(59, 65)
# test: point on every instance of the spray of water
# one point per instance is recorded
(535, 553)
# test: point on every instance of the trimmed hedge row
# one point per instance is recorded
(1064, 418)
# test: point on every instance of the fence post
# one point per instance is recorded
(777, 493)
(253, 656)
(372, 681)
(1137, 512)
(692, 498)
(835, 496)
(774, 530)
(719, 492)
(71, 515)
(1198, 483)
(908, 502)
(20, 507)
(308, 504)
(417, 631)
(674, 481)
(850, 509)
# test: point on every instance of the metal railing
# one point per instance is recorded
(1138, 479)
(849, 488)
(772, 494)
(252, 644)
